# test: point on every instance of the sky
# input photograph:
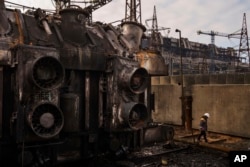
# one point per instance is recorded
(189, 16)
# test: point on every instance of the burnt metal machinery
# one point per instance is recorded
(72, 91)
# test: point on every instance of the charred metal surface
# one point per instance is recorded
(5, 57)
(157, 133)
(1, 98)
(82, 58)
(69, 105)
(5, 27)
(39, 74)
(73, 25)
(127, 80)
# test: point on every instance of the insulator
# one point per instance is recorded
(46, 120)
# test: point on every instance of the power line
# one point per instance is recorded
(25, 7)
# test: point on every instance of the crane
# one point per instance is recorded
(214, 33)
(236, 35)
(240, 34)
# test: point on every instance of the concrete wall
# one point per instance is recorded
(228, 106)
(225, 97)
(167, 108)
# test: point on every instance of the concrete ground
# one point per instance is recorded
(217, 141)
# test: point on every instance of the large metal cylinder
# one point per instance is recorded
(73, 25)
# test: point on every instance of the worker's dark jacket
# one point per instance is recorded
(203, 123)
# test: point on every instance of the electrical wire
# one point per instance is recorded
(82, 1)
(19, 6)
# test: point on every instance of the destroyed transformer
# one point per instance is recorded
(71, 90)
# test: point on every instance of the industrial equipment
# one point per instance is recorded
(71, 91)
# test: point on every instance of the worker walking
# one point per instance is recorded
(203, 127)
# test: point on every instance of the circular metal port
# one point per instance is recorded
(47, 73)
(135, 114)
(139, 80)
(46, 120)
(134, 80)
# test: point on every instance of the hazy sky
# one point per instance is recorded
(189, 16)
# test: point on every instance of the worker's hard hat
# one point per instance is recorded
(207, 114)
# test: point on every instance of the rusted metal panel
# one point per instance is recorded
(153, 62)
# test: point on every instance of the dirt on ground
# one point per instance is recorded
(197, 157)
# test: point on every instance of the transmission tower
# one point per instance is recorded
(243, 52)
(61, 4)
(244, 45)
(155, 23)
(133, 11)
(155, 34)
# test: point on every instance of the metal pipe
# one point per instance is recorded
(87, 100)
(58, 33)
(1, 97)
(42, 18)
(46, 27)
(20, 28)
(182, 91)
